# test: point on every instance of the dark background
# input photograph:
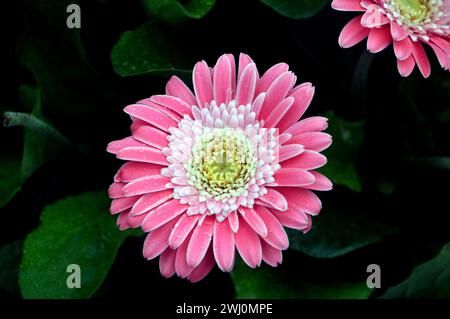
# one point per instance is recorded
(405, 121)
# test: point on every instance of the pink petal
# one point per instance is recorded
(233, 73)
(182, 229)
(167, 262)
(276, 235)
(151, 115)
(248, 245)
(322, 183)
(353, 33)
(274, 199)
(181, 266)
(307, 229)
(149, 201)
(379, 39)
(134, 170)
(136, 221)
(302, 200)
(203, 269)
(115, 190)
(116, 146)
(292, 218)
(444, 44)
(279, 112)
(397, 32)
(276, 93)
(283, 138)
(271, 255)
(233, 220)
(244, 60)
(137, 124)
(120, 204)
(373, 18)
(175, 87)
(163, 109)
(315, 141)
(421, 59)
(157, 241)
(293, 177)
(403, 48)
(151, 136)
(199, 242)
(146, 184)
(258, 102)
(289, 151)
(444, 59)
(253, 220)
(262, 203)
(307, 160)
(347, 5)
(405, 67)
(173, 103)
(122, 220)
(223, 245)
(310, 124)
(143, 154)
(203, 87)
(246, 85)
(222, 80)
(303, 95)
(270, 76)
(162, 214)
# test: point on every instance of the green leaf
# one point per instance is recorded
(274, 283)
(42, 142)
(296, 9)
(10, 256)
(75, 230)
(41, 138)
(347, 140)
(56, 58)
(10, 174)
(67, 83)
(173, 11)
(335, 233)
(27, 97)
(428, 280)
(9, 178)
(146, 50)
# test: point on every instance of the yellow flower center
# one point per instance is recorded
(222, 162)
(413, 10)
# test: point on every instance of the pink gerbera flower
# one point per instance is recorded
(406, 23)
(222, 169)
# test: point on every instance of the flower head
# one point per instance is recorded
(221, 169)
(406, 23)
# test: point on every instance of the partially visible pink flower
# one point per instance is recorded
(408, 24)
(198, 208)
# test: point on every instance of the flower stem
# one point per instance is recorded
(31, 122)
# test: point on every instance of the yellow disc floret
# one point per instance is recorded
(222, 163)
(415, 11)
